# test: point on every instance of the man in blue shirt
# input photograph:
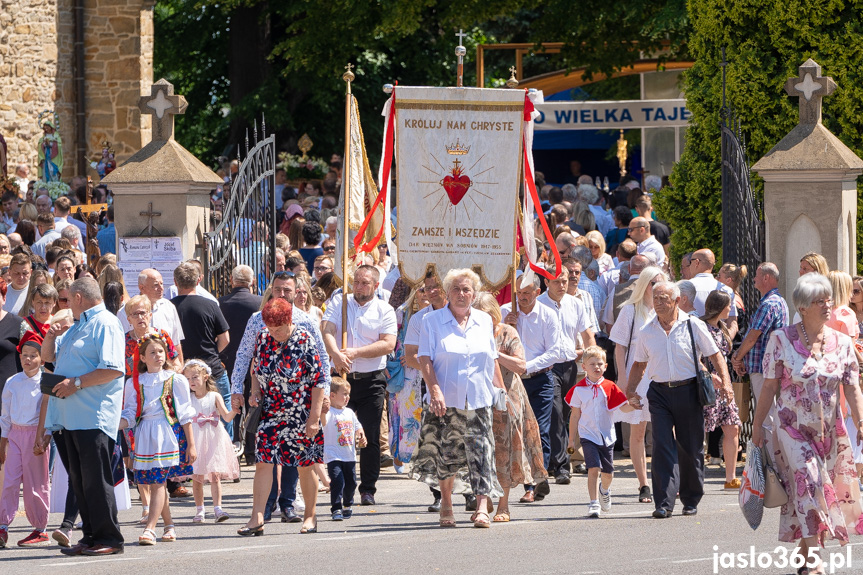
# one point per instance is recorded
(86, 412)
(107, 237)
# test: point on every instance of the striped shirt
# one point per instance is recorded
(772, 314)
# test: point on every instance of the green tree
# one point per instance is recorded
(766, 42)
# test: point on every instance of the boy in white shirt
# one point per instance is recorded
(594, 401)
(342, 434)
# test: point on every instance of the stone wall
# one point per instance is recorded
(37, 58)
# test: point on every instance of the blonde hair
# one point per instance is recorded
(817, 261)
(842, 285)
(339, 383)
(111, 273)
(139, 301)
(456, 274)
(646, 276)
(205, 373)
(487, 303)
(302, 281)
(596, 238)
(594, 351)
(736, 273)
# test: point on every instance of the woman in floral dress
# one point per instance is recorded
(805, 364)
(288, 382)
(724, 412)
(517, 447)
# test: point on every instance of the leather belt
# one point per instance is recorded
(363, 375)
(536, 373)
(673, 384)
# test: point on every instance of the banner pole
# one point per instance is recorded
(515, 258)
(348, 77)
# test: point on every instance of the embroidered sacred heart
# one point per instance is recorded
(456, 186)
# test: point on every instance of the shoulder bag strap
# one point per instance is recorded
(629, 345)
(694, 349)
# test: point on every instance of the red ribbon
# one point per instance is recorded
(382, 194)
(531, 187)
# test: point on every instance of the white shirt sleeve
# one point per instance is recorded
(130, 403)
(427, 342)
(333, 314)
(703, 340)
(412, 334)
(5, 416)
(389, 325)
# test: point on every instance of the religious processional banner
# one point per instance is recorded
(458, 158)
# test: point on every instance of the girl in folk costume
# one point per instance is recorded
(216, 457)
(157, 404)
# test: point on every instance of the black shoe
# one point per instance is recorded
(290, 516)
(541, 490)
(581, 469)
(367, 499)
(268, 514)
(690, 510)
(347, 512)
(435, 507)
(661, 514)
(562, 479)
(387, 461)
(469, 503)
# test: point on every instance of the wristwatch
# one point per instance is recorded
(77, 382)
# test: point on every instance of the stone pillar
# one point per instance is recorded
(163, 178)
(810, 188)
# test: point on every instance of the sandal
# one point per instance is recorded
(501, 517)
(145, 539)
(447, 519)
(480, 519)
(169, 535)
(644, 495)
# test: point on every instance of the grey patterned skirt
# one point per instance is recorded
(460, 444)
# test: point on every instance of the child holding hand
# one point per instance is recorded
(342, 433)
(595, 402)
(216, 458)
(22, 403)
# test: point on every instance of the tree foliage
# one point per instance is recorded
(765, 44)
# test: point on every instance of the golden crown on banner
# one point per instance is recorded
(457, 149)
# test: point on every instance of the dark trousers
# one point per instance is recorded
(714, 439)
(288, 493)
(368, 395)
(677, 419)
(343, 483)
(540, 394)
(70, 512)
(563, 373)
(86, 454)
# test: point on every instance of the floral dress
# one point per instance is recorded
(404, 386)
(287, 372)
(811, 448)
(723, 412)
(517, 447)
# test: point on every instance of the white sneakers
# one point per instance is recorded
(593, 510)
(596, 508)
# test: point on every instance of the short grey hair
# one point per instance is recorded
(332, 220)
(588, 193)
(671, 286)
(687, 289)
(570, 192)
(624, 272)
(810, 287)
(243, 275)
(567, 238)
(459, 273)
(770, 269)
(71, 233)
(88, 288)
(536, 283)
(146, 274)
(651, 258)
(582, 255)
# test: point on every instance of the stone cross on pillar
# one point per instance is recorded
(811, 87)
(162, 104)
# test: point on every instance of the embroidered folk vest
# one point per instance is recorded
(169, 403)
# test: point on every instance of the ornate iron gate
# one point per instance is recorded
(247, 233)
(742, 216)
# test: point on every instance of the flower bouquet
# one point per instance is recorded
(303, 168)
(55, 189)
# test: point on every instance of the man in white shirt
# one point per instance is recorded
(45, 225)
(701, 269)
(164, 313)
(371, 332)
(574, 277)
(639, 231)
(575, 328)
(539, 329)
(20, 268)
(664, 350)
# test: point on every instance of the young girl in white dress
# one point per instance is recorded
(216, 458)
(157, 404)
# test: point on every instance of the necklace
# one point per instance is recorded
(808, 344)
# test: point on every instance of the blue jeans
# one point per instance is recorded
(540, 394)
(343, 483)
(290, 478)
(224, 385)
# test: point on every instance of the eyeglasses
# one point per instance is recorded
(330, 249)
(823, 302)
(283, 275)
(133, 314)
(322, 269)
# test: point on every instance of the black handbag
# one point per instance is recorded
(706, 391)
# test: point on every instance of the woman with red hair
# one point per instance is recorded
(288, 383)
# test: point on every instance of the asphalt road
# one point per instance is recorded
(398, 535)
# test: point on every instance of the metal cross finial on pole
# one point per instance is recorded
(460, 51)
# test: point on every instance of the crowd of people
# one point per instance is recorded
(461, 389)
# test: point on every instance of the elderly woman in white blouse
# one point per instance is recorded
(458, 356)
